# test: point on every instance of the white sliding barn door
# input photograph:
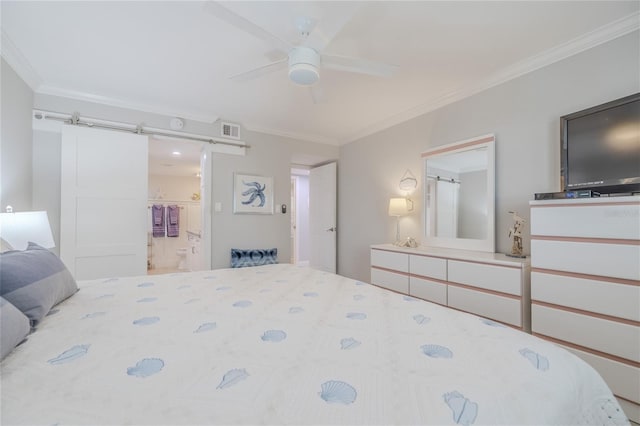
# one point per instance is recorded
(103, 212)
(447, 194)
(322, 217)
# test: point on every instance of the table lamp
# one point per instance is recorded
(17, 229)
(398, 207)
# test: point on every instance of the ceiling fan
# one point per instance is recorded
(304, 59)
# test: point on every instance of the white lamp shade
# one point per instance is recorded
(398, 207)
(17, 229)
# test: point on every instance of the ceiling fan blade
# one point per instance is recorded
(360, 66)
(259, 72)
(245, 25)
(326, 28)
(318, 94)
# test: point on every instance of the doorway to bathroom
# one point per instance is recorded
(175, 210)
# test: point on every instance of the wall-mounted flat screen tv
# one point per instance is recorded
(600, 148)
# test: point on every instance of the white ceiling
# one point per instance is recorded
(176, 57)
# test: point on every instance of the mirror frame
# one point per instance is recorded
(487, 244)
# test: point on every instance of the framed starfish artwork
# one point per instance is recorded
(252, 194)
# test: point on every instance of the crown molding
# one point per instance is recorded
(126, 104)
(23, 68)
(572, 47)
(291, 135)
(14, 57)
(16, 60)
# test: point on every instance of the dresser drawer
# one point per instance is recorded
(614, 221)
(490, 277)
(603, 297)
(390, 260)
(499, 308)
(391, 280)
(428, 290)
(609, 260)
(427, 266)
(606, 336)
(623, 379)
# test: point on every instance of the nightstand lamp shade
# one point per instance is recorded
(19, 228)
(398, 207)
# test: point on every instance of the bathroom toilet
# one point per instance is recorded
(182, 257)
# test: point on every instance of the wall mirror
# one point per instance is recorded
(459, 195)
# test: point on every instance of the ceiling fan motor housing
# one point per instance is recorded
(303, 65)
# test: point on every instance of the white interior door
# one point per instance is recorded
(322, 217)
(103, 214)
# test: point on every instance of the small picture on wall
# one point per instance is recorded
(252, 194)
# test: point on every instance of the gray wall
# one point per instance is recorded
(15, 141)
(523, 114)
(46, 179)
(268, 156)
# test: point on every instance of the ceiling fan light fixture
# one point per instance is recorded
(303, 66)
(304, 74)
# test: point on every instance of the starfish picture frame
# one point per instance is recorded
(252, 194)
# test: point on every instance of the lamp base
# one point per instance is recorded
(409, 242)
(516, 255)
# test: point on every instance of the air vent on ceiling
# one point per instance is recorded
(230, 130)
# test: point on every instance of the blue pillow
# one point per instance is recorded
(14, 327)
(253, 257)
(34, 280)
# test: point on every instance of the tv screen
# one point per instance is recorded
(601, 147)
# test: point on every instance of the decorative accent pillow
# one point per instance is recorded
(253, 257)
(34, 280)
(14, 327)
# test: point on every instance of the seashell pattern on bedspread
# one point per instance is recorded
(70, 355)
(464, 411)
(274, 336)
(232, 377)
(146, 367)
(282, 344)
(436, 351)
(335, 391)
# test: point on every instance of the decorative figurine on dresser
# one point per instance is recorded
(515, 233)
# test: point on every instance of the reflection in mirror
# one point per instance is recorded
(457, 188)
(459, 195)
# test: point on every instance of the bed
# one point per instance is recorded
(282, 344)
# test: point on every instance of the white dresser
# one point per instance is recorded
(487, 284)
(585, 286)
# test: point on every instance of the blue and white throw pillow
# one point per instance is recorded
(253, 257)
(34, 280)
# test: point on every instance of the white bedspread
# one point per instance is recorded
(281, 344)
